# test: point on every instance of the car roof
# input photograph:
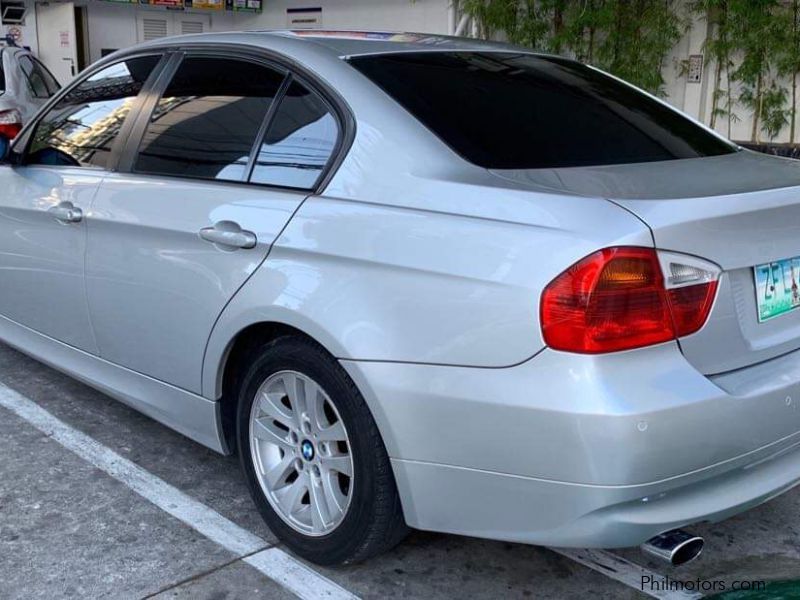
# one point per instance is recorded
(15, 50)
(355, 43)
(341, 43)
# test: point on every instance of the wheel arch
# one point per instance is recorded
(224, 361)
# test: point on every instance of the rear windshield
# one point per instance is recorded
(520, 111)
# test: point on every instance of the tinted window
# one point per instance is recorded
(518, 111)
(298, 143)
(34, 76)
(80, 129)
(206, 123)
(50, 81)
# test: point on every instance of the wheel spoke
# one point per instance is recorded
(336, 499)
(266, 430)
(279, 472)
(270, 404)
(293, 388)
(313, 403)
(340, 464)
(320, 514)
(289, 497)
(334, 433)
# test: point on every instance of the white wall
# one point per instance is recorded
(114, 25)
(110, 26)
(428, 16)
(696, 99)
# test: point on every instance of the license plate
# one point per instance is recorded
(777, 288)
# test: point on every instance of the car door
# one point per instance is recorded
(174, 237)
(47, 196)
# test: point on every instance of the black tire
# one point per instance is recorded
(374, 521)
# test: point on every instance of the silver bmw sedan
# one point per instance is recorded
(417, 282)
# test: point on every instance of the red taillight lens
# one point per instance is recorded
(616, 299)
(10, 130)
(10, 123)
(690, 306)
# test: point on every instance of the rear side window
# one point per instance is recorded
(49, 80)
(206, 122)
(80, 130)
(520, 111)
(36, 80)
(299, 142)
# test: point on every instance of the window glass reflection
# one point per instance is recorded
(206, 123)
(299, 142)
(80, 130)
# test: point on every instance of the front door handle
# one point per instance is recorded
(66, 212)
(229, 235)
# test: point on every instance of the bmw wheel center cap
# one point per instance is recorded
(307, 450)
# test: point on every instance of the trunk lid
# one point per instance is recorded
(738, 211)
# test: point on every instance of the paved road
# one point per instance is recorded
(68, 529)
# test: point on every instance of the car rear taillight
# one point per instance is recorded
(10, 123)
(618, 299)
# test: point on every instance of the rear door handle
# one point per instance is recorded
(66, 212)
(229, 235)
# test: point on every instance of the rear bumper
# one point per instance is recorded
(573, 450)
(520, 509)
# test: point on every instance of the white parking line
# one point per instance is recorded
(625, 572)
(276, 564)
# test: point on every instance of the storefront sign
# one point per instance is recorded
(304, 18)
(167, 3)
(244, 5)
(206, 4)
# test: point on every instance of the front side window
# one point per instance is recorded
(206, 122)
(80, 130)
(299, 142)
(523, 111)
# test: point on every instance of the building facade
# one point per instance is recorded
(70, 35)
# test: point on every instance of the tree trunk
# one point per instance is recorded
(618, 16)
(796, 38)
(558, 27)
(794, 107)
(729, 96)
(754, 136)
(715, 93)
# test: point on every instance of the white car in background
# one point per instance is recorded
(26, 85)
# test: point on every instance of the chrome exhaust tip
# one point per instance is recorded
(676, 547)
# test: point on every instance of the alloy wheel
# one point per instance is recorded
(301, 452)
